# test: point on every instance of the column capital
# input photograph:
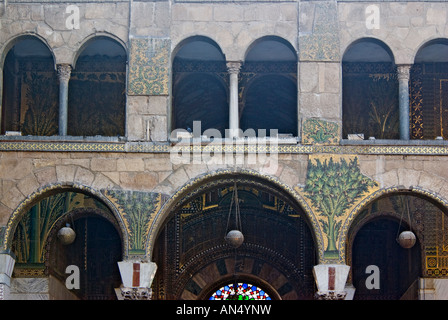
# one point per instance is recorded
(137, 277)
(64, 71)
(403, 71)
(330, 280)
(7, 262)
(234, 66)
(135, 293)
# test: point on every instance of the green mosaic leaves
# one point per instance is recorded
(138, 210)
(333, 186)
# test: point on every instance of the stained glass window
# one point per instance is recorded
(244, 291)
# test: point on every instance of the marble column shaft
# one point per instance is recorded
(233, 69)
(64, 71)
(403, 96)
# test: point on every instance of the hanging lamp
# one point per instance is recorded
(234, 237)
(66, 235)
(407, 238)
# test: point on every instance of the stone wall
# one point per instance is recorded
(49, 22)
(320, 31)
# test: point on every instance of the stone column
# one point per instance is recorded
(6, 267)
(137, 277)
(330, 280)
(233, 69)
(64, 71)
(403, 96)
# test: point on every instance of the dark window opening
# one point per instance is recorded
(97, 97)
(369, 91)
(30, 90)
(268, 88)
(200, 87)
(429, 92)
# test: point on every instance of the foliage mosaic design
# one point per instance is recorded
(323, 43)
(334, 184)
(149, 66)
(244, 291)
(320, 132)
(138, 210)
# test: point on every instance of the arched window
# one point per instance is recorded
(268, 87)
(370, 91)
(429, 91)
(96, 98)
(244, 291)
(200, 83)
(30, 89)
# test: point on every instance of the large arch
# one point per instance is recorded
(369, 79)
(200, 258)
(56, 188)
(210, 180)
(385, 214)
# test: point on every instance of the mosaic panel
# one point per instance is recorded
(320, 132)
(323, 43)
(149, 60)
(138, 210)
(333, 187)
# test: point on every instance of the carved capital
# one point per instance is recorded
(403, 71)
(330, 295)
(64, 71)
(136, 293)
(233, 67)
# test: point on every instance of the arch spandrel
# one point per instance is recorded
(340, 175)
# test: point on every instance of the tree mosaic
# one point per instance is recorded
(333, 185)
(138, 210)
